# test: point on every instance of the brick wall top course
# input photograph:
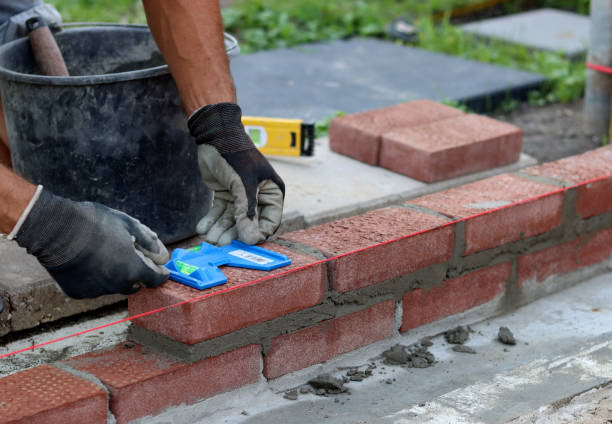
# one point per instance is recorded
(394, 242)
(577, 169)
(484, 195)
(363, 231)
(233, 305)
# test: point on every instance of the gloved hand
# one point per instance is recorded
(90, 249)
(248, 193)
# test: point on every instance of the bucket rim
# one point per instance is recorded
(231, 45)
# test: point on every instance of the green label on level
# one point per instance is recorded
(255, 134)
(195, 249)
(186, 268)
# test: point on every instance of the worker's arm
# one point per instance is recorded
(248, 194)
(15, 194)
(89, 249)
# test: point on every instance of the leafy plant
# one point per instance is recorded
(457, 105)
(322, 126)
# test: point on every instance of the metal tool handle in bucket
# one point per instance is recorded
(232, 48)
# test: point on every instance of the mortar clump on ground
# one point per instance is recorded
(354, 374)
(505, 336)
(463, 349)
(414, 356)
(291, 394)
(458, 335)
(326, 384)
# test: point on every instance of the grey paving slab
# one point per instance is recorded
(314, 81)
(543, 29)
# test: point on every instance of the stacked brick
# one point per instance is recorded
(352, 282)
(426, 140)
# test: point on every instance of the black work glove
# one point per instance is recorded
(90, 249)
(248, 193)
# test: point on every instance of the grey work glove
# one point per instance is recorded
(90, 249)
(248, 193)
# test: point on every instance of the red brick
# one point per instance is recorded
(143, 382)
(291, 352)
(227, 311)
(359, 135)
(561, 259)
(451, 147)
(516, 211)
(46, 394)
(594, 198)
(365, 260)
(451, 297)
(577, 169)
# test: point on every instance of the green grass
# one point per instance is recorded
(122, 11)
(267, 24)
(566, 79)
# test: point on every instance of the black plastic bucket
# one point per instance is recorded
(113, 132)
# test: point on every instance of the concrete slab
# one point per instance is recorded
(543, 29)
(329, 186)
(314, 81)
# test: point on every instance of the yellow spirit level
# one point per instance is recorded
(281, 137)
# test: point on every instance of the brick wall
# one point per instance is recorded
(352, 282)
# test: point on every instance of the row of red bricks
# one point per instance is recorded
(426, 140)
(366, 250)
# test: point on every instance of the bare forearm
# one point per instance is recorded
(189, 33)
(15, 194)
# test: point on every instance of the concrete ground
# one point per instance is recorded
(564, 348)
(591, 407)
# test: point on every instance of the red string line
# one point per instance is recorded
(599, 68)
(204, 296)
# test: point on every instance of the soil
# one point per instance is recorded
(554, 131)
